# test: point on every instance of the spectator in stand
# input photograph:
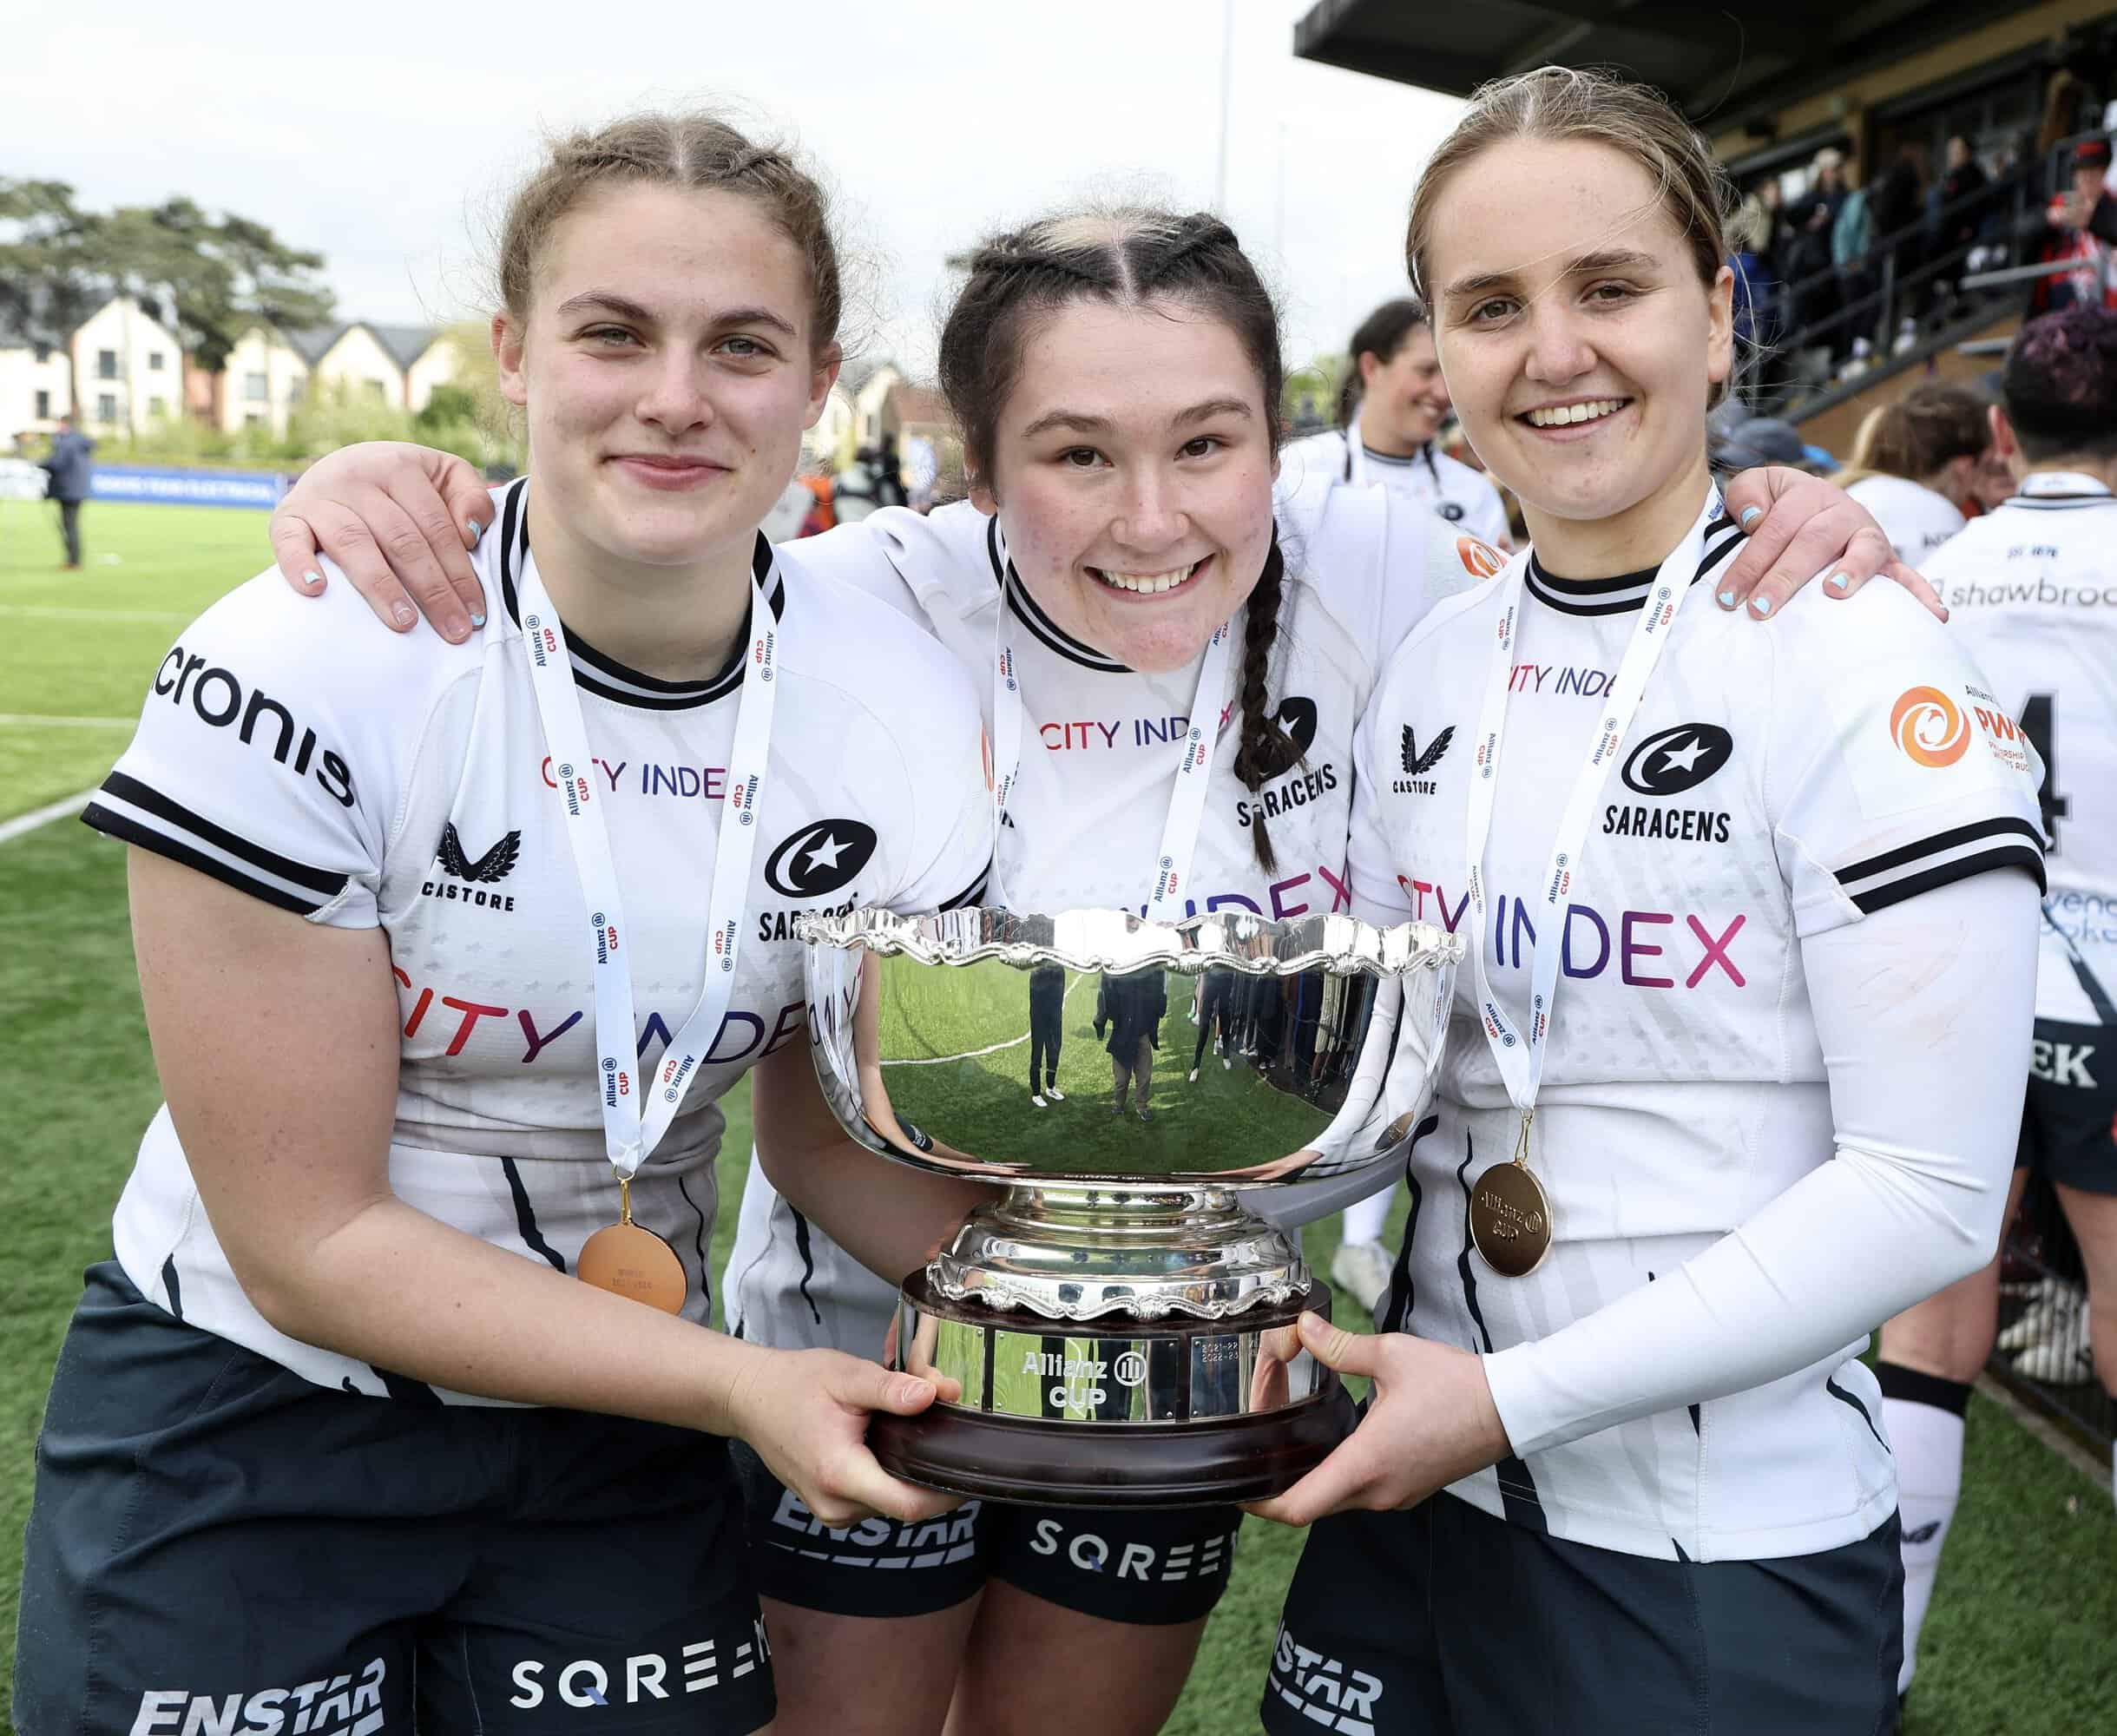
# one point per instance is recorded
(1955, 228)
(2069, 235)
(70, 466)
(1812, 218)
(1757, 325)
(1915, 465)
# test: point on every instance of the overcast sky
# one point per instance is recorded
(384, 135)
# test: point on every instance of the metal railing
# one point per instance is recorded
(1937, 292)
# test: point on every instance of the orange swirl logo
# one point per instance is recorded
(1479, 560)
(1930, 727)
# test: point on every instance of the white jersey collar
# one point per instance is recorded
(606, 677)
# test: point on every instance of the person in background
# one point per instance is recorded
(853, 489)
(1132, 1006)
(1390, 410)
(70, 466)
(1915, 464)
(2070, 234)
(1812, 218)
(2017, 580)
(1965, 177)
(1046, 1032)
(1740, 445)
(1757, 324)
(890, 474)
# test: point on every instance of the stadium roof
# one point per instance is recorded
(1726, 66)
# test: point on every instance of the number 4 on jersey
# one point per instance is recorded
(2036, 725)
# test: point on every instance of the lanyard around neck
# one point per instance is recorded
(630, 1133)
(1171, 866)
(1520, 1055)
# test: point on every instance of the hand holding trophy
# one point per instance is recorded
(1117, 1329)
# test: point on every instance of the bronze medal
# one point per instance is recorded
(628, 1259)
(1510, 1216)
(1511, 1219)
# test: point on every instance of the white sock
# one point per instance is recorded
(1365, 1219)
(1927, 1442)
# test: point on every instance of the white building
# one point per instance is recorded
(263, 381)
(128, 368)
(33, 389)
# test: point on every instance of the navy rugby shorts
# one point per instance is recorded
(219, 1544)
(1148, 1569)
(2069, 1122)
(1444, 1621)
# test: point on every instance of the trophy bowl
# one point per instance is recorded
(1163, 1104)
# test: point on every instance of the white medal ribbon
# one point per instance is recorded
(630, 1134)
(1193, 771)
(1521, 1058)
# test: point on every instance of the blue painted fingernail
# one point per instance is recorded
(477, 620)
(312, 577)
(1840, 581)
(1761, 604)
(1727, 599)
(1750, 515)
(476, 529)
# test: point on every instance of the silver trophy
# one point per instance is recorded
(1164, 1104)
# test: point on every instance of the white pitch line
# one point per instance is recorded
(990, 1047)
(45, 816)
(28, 717)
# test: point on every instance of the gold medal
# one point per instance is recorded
(628, 1259)
(1510, 1217)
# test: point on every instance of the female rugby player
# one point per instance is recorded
(347, 1434)
(1737, 1070)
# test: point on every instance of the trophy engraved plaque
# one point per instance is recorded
(1163, 1104)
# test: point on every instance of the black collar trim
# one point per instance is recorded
(604, 676)
(1025, 608)
(1627, 592)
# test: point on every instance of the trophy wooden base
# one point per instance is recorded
(1089, 1454)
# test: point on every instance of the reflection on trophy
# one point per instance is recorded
(1116, 1330)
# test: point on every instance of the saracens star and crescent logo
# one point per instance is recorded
(820, 857)
(1671, 761)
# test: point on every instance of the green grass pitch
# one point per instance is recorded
(2023, 1635)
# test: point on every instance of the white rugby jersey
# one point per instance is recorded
(1916, 520)
(363, 779)
(1464, 495)
(2032, 592)
(1774, 783)
(1099, 752)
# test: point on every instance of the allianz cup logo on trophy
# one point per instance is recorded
(1163, 1105)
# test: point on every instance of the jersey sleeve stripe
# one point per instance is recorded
(133, 793)
(1940, 840)
(119, 826)
(1956, 868)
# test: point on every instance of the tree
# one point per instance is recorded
(208, 277)
(54, 272)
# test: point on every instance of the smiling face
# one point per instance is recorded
(1131, 470)
(1404, 400)
(1579, 344)
(664, 366)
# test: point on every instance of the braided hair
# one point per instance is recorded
(1126, 257)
